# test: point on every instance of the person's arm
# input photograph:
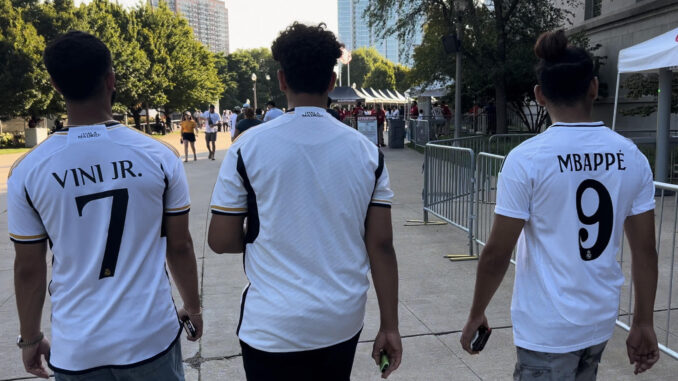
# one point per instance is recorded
(182, 264)
(641, 344)
(226, 234)
(384, 267)
(492, 265)
(30, 282)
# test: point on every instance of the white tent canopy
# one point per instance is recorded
(656, 53)
(653, 54)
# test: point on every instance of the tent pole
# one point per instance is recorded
(663, 124)
(616, 102)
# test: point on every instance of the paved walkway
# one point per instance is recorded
(435, 295)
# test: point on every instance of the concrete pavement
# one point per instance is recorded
(435, 295)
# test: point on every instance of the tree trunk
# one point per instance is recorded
(500, 75)
(136, 114)
(147, 127)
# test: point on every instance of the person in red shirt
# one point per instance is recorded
(358, 110)
(381, 118)
(414, 111)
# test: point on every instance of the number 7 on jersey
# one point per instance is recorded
(116, 226)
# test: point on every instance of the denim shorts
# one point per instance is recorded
(581, 365)
(168, 367)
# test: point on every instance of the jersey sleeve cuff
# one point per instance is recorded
(27, 238)
(178, 211)
(512, 213)
(642, 209)
(228, 211)
(381, 203)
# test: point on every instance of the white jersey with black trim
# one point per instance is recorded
(305, 181)
(99, 195)
(574, 185)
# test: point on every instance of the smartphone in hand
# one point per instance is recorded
(188, 326)
(480, 338)
(384, 362)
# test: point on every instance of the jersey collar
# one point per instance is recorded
(579, 124)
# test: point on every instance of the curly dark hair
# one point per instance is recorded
(77, 62)
(307, 55)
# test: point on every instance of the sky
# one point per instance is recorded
(256, 23)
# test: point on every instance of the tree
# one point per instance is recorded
(640, 85)
(492, 32)
(119, 29)
(402, 78)
(381, 76)
(240, 66)
(24, 81)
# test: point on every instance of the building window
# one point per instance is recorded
(593, 8)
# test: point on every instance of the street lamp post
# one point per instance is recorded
(254, 88)
(460, 5)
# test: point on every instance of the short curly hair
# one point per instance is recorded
(77, 62)
(307, 56)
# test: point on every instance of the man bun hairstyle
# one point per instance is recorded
(77, 62)
(307, 56)
(564, 72)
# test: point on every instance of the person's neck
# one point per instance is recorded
(575, 114)
(88, 112)
(306, 100)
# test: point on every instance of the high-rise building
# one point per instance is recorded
(208, 18)
(355, 32)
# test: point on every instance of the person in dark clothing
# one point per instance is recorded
(332, 111)
(245, 124)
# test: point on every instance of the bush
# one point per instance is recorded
(11, 140)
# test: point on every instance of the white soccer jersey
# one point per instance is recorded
(305, 182)
(575, 184)
(99, 195)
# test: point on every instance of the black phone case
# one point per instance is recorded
(483, 335)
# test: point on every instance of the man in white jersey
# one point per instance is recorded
(315, 227)
(113, 204)
(210, 121)
(272, 112)
(573, 191)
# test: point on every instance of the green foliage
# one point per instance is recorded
(157, 61)
(364, 62)
(647, 85)
(24, 83)
(381, 76)
(497, 44)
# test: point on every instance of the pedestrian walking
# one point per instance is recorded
(573, 191)
(315, 227)
(381, 118)
(272, 111)
(113, 204)
(188, 131)
(234, 121)
(210, 120)
(245, 124)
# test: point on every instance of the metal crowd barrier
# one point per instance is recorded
(449, 186)
(502, 144)
(421, 132)
(487, 174)
(666, 226)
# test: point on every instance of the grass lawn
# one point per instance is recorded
(9, 151)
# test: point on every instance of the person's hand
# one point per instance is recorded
(642, 348)
(469, 331)
(389, 342)
(196, 319)
(32, 358)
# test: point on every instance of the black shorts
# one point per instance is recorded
(210, 136)
(188, 136)
(329, 364)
